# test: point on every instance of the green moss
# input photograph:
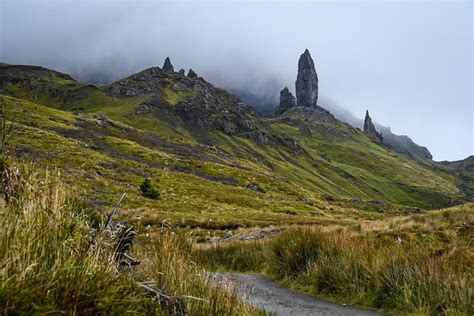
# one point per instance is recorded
(173, 97)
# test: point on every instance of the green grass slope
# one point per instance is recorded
(205, 150)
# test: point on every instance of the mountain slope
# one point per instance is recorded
(265, 105)
(400, 143)
(214, 160)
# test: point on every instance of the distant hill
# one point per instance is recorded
(465, 165)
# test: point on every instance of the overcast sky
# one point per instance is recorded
(409, 63)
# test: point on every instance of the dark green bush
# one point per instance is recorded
(148, 190)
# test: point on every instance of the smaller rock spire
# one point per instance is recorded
(167, 65)
(181, 72)
(192, 74)
(287, 100)
(370, 131)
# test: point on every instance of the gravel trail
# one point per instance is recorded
(261, 291)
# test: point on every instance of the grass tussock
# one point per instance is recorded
(366, 269)
(234, 256)
(47, 264)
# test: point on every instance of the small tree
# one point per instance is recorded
(148, 190)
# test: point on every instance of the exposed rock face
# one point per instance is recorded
(287, 100)
(167, 65)
(307, 81)
(370, 130)
(192, 74)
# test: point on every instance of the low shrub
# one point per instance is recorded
(148, 190)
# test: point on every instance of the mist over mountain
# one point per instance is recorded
(365, 58)
(262, 96)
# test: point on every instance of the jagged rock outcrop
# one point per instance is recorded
(287, 101)
(370, 131)
(192, 74)
(197, 104)
(167, 65)
(307, 81)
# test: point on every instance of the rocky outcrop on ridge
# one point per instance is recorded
(287, 101)
(306, 81)
(192, 74)
(167, 65)
(370, 131)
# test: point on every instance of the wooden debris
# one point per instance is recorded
(121, 236)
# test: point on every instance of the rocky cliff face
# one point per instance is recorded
(307, 81)
(287, 101)
(369, 130)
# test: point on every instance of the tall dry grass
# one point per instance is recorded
(171, 265)
(47, 264)
(249, 256)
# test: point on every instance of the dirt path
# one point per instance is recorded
(277, 300)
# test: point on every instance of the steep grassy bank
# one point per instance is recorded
(417, 265)
(47, 264)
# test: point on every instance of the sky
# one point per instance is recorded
(410, 63)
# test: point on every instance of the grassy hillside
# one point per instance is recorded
(216, 164)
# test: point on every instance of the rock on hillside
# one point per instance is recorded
(370, 131)
(306, 81)
(287, 101)
(192, 74)
(167, 65)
